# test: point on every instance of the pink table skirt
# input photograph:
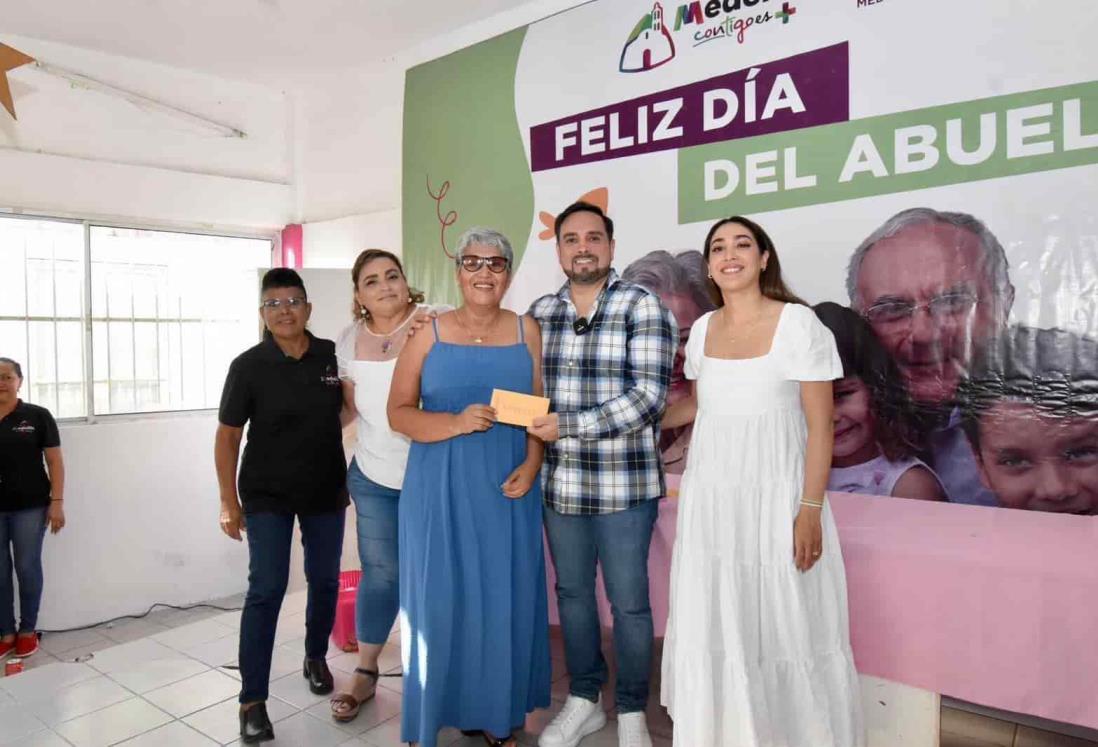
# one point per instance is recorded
(993, 606)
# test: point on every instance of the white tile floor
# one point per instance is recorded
(160, 681)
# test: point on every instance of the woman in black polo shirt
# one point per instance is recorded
(288, 388)
(32, 479)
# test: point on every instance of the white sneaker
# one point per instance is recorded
(633, 730)
(576, 720)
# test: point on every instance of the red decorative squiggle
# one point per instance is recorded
(445, 221)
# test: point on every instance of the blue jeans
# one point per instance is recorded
(269, 538)
(619, 541)
(378, 599)
(22, 532)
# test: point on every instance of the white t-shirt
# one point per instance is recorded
(380, 453)
(878, 476)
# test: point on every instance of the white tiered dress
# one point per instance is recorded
(757, 654)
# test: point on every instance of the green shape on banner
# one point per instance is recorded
(1003, 136)
(460, 127)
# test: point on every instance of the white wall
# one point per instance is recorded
(349, 143)
(336, 243)
(141, 507)
(142, 500)
(86, 151)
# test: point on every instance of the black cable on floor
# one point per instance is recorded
(145, 614)
(383, 674)
(183, 608)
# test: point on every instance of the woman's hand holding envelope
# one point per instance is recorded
(475, 418)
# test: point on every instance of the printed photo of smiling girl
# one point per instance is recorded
(1030, 410)
(876, 432)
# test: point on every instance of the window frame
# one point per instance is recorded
(87, 321)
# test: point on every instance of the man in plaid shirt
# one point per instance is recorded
(608, 349)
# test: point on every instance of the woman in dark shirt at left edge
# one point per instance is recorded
(288, 388)
(30, 500)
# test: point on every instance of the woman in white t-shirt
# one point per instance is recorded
(384, 306)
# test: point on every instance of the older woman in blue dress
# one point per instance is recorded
(474, 625)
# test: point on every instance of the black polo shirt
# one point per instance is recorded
(24, 435)
(293, 461)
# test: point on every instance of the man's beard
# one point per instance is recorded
(589, 276)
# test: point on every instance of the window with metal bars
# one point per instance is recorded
(108, 320)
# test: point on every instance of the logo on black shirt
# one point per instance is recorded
(24, 427)
(329, 378)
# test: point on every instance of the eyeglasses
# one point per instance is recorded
(897, 313)
(274, 304)
(472, 263)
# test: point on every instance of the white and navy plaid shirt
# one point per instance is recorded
(609, 387)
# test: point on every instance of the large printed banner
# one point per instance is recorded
(927, 170)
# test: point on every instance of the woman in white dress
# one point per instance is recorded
(757, 651)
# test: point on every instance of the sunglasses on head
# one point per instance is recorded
(472, 263)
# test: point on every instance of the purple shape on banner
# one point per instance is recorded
(804, 90)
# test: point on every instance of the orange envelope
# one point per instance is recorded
(518, 409)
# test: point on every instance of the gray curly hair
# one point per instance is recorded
(995, 264)
(486, 236)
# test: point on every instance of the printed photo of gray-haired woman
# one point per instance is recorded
(680, 281)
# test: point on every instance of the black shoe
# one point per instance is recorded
(319, 676)
(255, 726)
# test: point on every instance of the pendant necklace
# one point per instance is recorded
(478, 339)
(387, 342)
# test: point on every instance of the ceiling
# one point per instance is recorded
(262, 41)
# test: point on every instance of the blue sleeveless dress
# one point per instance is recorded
(474, 623)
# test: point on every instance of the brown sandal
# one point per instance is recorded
(353, 703)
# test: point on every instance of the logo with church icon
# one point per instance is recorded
(649, 45)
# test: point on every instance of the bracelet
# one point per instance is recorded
(59, 500)
(814, 504)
